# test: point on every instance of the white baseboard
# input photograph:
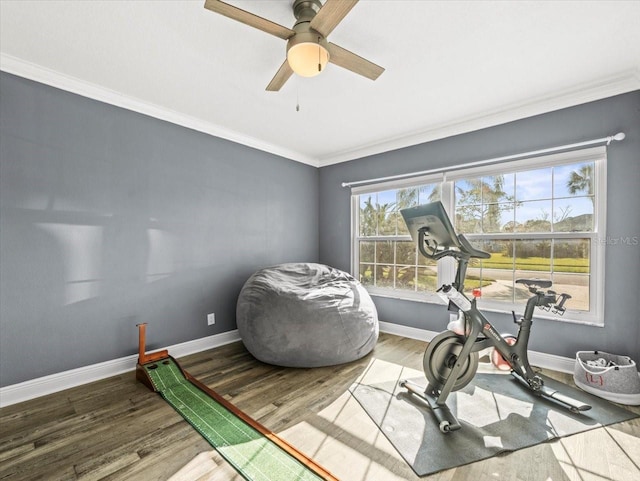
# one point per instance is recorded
(540, 359)
(406, 331)
(64, 380)
(551, 361)
(75, 377)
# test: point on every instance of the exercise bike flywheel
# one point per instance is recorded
(440, 357)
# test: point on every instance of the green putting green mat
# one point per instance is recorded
(253, 455)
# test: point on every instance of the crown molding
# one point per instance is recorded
(621, 83)
(31, 71)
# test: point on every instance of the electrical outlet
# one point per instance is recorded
(211, 319)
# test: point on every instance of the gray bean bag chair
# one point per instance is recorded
(306, 315)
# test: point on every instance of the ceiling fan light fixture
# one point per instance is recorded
(307, 59)
(307, 51)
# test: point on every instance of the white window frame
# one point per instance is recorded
(446, 267)
(355, 228)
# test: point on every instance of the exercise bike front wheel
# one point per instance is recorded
(440, 357)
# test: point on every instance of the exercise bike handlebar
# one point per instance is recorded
(548, 301)
(430, 227)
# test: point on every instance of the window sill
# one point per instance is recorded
(433, 298)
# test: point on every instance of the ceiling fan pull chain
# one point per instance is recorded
(319, 53)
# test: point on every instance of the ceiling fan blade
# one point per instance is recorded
(330, 15)
(281, 76)
(247, 18)
(349, 60)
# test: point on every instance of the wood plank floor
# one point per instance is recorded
(116, 429)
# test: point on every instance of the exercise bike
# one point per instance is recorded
(451, 359)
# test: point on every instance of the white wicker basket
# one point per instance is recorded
(608, 376)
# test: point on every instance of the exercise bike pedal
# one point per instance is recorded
(447, 422)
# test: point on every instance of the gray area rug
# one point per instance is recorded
(496, 412)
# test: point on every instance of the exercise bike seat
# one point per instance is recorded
(431, 222)
(541, 283)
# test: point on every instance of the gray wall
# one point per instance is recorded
(621, 333)
(109, 218)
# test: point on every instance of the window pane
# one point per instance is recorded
(577, 286)
(497, 218)
(387, 198)
(469, 219)
(402, 226)
(501, 252)
(429, 193)
(386, 222)
(366, 274)
(495, 276)
(406, 278)
(407, 198)
(384, 252)
(468, 191)
(406, 253)
(498, 188)
(574, 179)
(534, 184)
(533, 216)
(427, 279)
(533, 261)
(367, 251)
(571, 268)
(533, 255)
(571, 255)
(384, 276)
(368, 219)
(573, 215)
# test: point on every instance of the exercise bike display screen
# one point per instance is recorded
(434, 220)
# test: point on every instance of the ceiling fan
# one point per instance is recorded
(308, 50)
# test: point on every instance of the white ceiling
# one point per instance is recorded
(451, 67)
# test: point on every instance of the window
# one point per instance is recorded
(536, 217)
(388, 260)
